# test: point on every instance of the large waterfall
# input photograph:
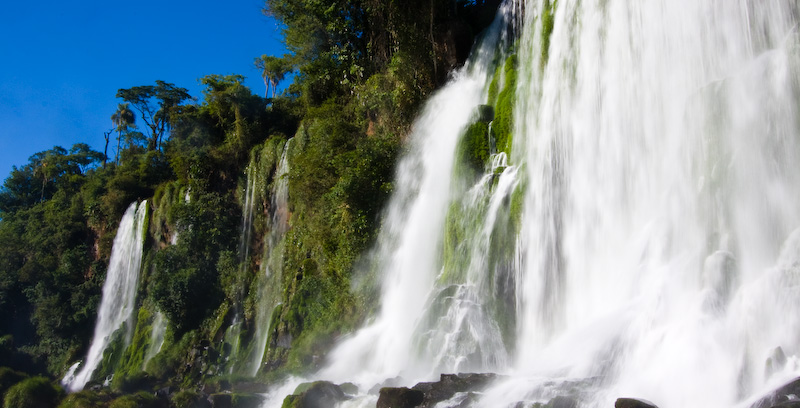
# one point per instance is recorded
(119, 293)
(637, 235)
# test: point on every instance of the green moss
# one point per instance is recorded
(473, 148)
(133, 357)
(9, 377)
(34, 392)
(502, 126)
(494, 86)
(83, 399)
(139, 400)
(548, 21)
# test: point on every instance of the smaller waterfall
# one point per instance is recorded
(234, 332)
(157, 332)
(269, 280)
(119, 292)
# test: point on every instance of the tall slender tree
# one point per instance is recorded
(123, 119)
(273, 70)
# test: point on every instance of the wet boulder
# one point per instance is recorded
(787, 395)
(319, 394)
(400, 397)
(633, 403)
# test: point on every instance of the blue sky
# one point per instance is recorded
(62, 62)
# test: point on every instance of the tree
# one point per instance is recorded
(123, 119)
(107, 136)
(157, 118)
(273, 69)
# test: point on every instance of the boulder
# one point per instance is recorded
(227, 400)
(633, 403)
(787, 393)
(400, 397)
(428, 394)
(563, 402)
(319, 394)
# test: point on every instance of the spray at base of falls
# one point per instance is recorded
(119, 293)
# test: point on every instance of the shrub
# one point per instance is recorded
(34, 392)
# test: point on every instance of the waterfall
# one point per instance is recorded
(661, 149)
(431, 320)
(233, 334)
(269, 282)
(158, 330)
(638, 236)
(119, 293)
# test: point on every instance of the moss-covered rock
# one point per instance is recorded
(400, 398)
(548, 22)
(502, 126)
(9, 377)
(473, 149)
(318, 394)
(34, 392)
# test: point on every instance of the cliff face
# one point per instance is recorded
(258, 210)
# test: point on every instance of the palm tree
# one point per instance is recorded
(273, 69)
(122, 119)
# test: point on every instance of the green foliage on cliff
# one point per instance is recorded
(503, 125)
(363, 69)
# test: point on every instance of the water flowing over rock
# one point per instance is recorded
(622, 221)
(119, 294)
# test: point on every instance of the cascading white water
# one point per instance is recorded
(661, 141)
(412, 335)
(656, 148)
(119, 292)
(158, 330)
(269, 281)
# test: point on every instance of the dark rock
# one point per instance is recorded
(320, 394)
(633, 403)
(400, 398)
(221, 400)
(164, 392)
(787, 404)
(250, 388)
(235, 400)
(428, 394)
(784, 394)
(565, 402)
(349, 388)
(485, 113)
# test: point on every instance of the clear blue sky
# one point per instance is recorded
(61, 62)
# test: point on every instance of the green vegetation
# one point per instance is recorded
(503, 124)
(34, 392)
(361, 74)
(548, 22)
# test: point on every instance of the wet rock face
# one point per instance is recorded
(428, 394)
(400, 397)
(633, 403)
(783, 397)
(320, 394)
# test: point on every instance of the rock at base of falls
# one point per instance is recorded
(428, 394)
(633, 403)
(786, 396)
(400, 397)
(227, 400)
(319, 394)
